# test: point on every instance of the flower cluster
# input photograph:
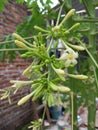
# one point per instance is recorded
(47, 72)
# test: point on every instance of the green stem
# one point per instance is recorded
(74, 107)
(26, 38)
(6, 42)
(72, 110)
(15, 49)
(43, 116)
(96, 77)
(86, 20)
(58, 19)
(90, 55)
(41, 29)
(50, 44)
(86, 6)
(74, 122)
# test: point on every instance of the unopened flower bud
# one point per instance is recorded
(27, 70)
(21, 44)
(78, 76)
(59, 71)
(25, 99)
(53, 86)
(19, 84)
(56, 28)
(68, 15)
(18, 37)
(76, 47)
(40, 120)
(74, 27)
(63, 89)
(40, 29)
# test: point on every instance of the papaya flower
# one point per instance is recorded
(69, 57)
(19, 84)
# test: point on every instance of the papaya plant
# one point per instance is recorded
(73, 73)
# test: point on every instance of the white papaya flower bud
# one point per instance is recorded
(63, 89)
(60, 73)
(78, 76)
(27, 70)
(56, 28)
(25, 99)
(68, 15)
(76, 47)
(21, 44)
(20, 84)
(76, 25)
(18, 37)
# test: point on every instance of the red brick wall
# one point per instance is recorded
(12, 115)
(10, 17)
(12, 70)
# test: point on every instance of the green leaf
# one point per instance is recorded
(80, 1)
(35, 18)
(20, 1)
(41, 1)
(49, 2)
(7, 54)
(2, 4)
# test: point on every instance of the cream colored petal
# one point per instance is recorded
(76, 55)
(74, 61)
(67, 63)
(64, 56)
